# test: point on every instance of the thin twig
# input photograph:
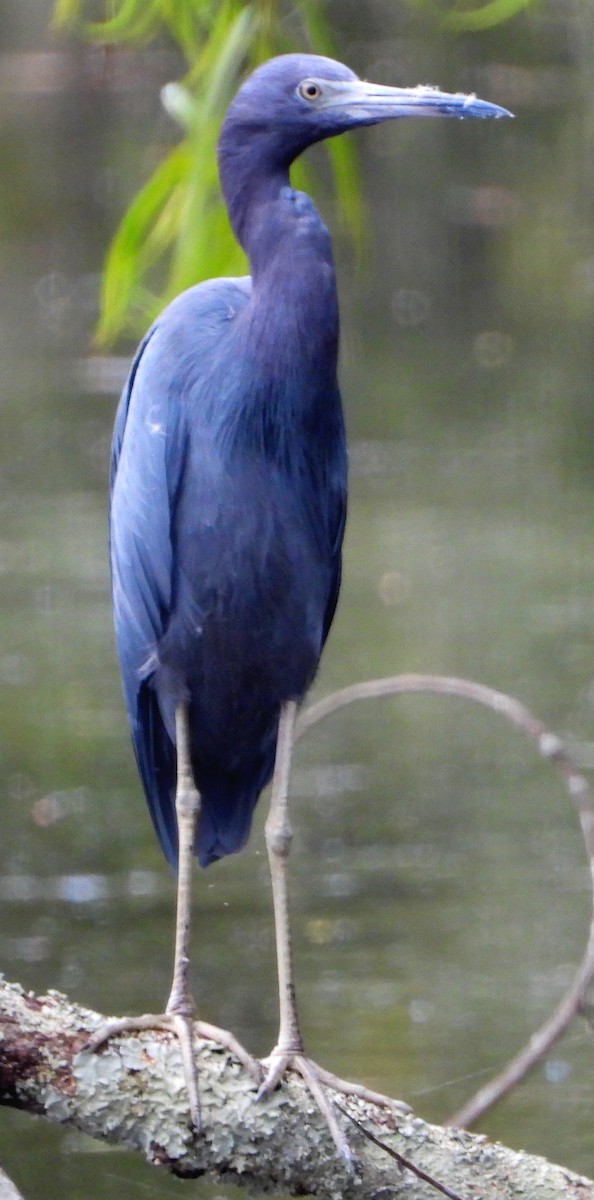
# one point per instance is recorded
(403, 1162)
(552, 749)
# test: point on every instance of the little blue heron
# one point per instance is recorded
(228, 500)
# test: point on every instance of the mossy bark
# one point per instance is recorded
(132, 1093)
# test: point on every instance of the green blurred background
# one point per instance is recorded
(440, 886)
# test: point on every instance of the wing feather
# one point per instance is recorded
(147, 464)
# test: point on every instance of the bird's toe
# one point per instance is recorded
(276, 1066)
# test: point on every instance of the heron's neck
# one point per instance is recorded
(251, 175)
(294, 308)
(293, 314)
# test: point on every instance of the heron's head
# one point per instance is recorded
(298, 99)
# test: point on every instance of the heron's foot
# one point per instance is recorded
(185, 1029)
(316, 1079)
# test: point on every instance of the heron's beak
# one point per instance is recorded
(367, 103)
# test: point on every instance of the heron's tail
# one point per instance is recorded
(226, 817)
(155, 756)
(228, 799)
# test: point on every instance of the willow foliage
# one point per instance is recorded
(175, 231)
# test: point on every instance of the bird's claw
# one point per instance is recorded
(278, 1063)
(185, 1029)
(117, 1025)
(171, 1022)
(316, 1079)
(224, 1038)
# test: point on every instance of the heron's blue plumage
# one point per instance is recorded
(229, 463)
(225, 545)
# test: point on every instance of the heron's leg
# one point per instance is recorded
(179, 1013)
(187, 811)
(278, 843)
(180, 1005)
(288, 1052)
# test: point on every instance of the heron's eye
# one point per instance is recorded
(309, 90)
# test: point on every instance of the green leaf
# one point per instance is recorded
(66, 12)
(347, 186)
(494, 12)
(179, 104)
(131, 252)
(188, 22)
(134, 22)
(317, 27)
(221, 55)
(193, 255)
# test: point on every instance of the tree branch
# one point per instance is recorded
(7, 1189)
(550, 746)
(133, 1093)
